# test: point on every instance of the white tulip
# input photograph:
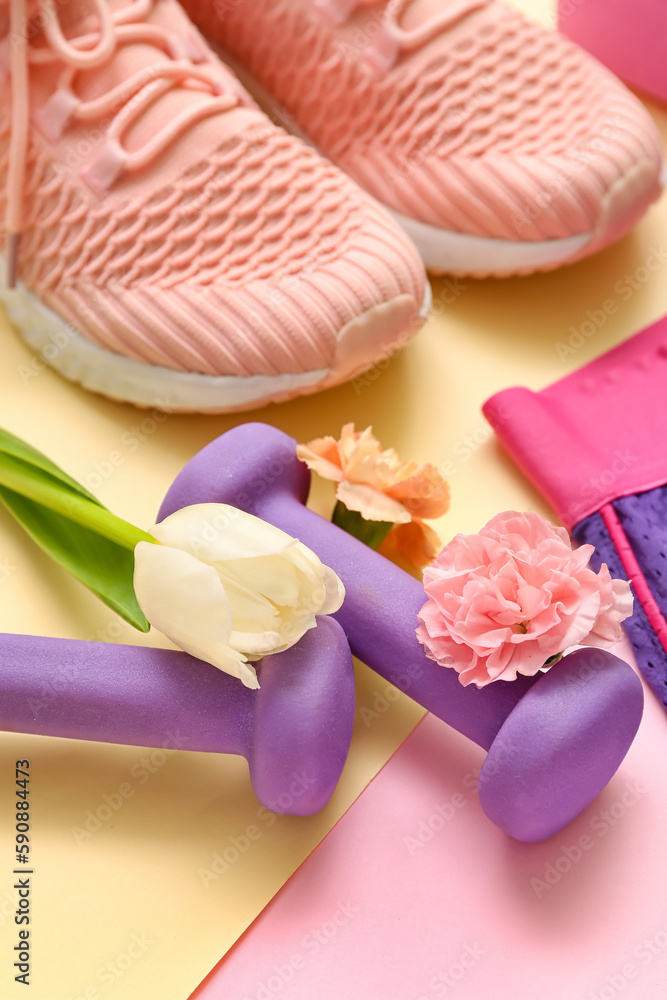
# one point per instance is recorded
(229, 588)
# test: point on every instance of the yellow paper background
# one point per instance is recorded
(124, 914)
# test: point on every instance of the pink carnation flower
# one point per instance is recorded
(503, 601)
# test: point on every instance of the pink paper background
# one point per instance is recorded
(416, 895)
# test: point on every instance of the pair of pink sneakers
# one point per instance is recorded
(163, 242)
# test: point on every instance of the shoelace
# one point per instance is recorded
(391, 40)
(125, 26)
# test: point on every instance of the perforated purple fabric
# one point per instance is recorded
(644, 520)
(643, 517)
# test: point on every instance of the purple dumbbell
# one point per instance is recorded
(553, 740)
(295, 731)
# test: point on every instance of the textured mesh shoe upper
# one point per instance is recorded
(238, 251)
(492, 127)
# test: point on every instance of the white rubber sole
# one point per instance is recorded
(65, 349)
(443, 251)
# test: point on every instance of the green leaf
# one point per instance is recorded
(72, 526)
(16, 448)
(371, 533)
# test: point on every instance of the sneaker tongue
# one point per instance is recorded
(79, 17)
(129, 60)
(421, 12)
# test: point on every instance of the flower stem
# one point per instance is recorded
(371, 533)
(71, 505)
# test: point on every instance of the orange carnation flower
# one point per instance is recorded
(380, 487)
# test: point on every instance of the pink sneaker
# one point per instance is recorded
(500, 148)
(168, 245)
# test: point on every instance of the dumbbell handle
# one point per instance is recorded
(296, 729)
